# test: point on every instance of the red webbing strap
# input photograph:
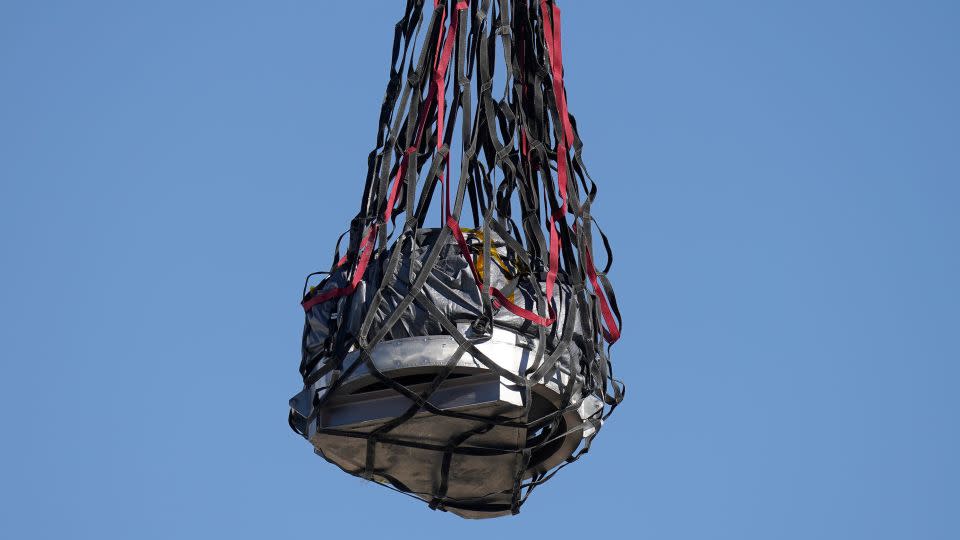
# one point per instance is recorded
(497, 293)
(555, 54)
(612, 332)
(552, 38)
(366, 248)
(521, 312)
(464, 249)
(439, 80)
(443, 53)
(401, 171)
(436, 91)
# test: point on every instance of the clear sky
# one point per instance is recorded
(780, 180)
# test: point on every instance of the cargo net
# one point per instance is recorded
(465, 365)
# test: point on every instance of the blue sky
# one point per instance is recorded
(780, 181)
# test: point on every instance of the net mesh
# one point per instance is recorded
(525, 265)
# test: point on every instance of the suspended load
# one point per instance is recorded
(458, 351)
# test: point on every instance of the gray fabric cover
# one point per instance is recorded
(450, 287)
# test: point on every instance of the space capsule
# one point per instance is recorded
(465, 365)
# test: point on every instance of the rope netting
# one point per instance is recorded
(510, 166)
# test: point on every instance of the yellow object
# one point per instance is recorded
(494, 254)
